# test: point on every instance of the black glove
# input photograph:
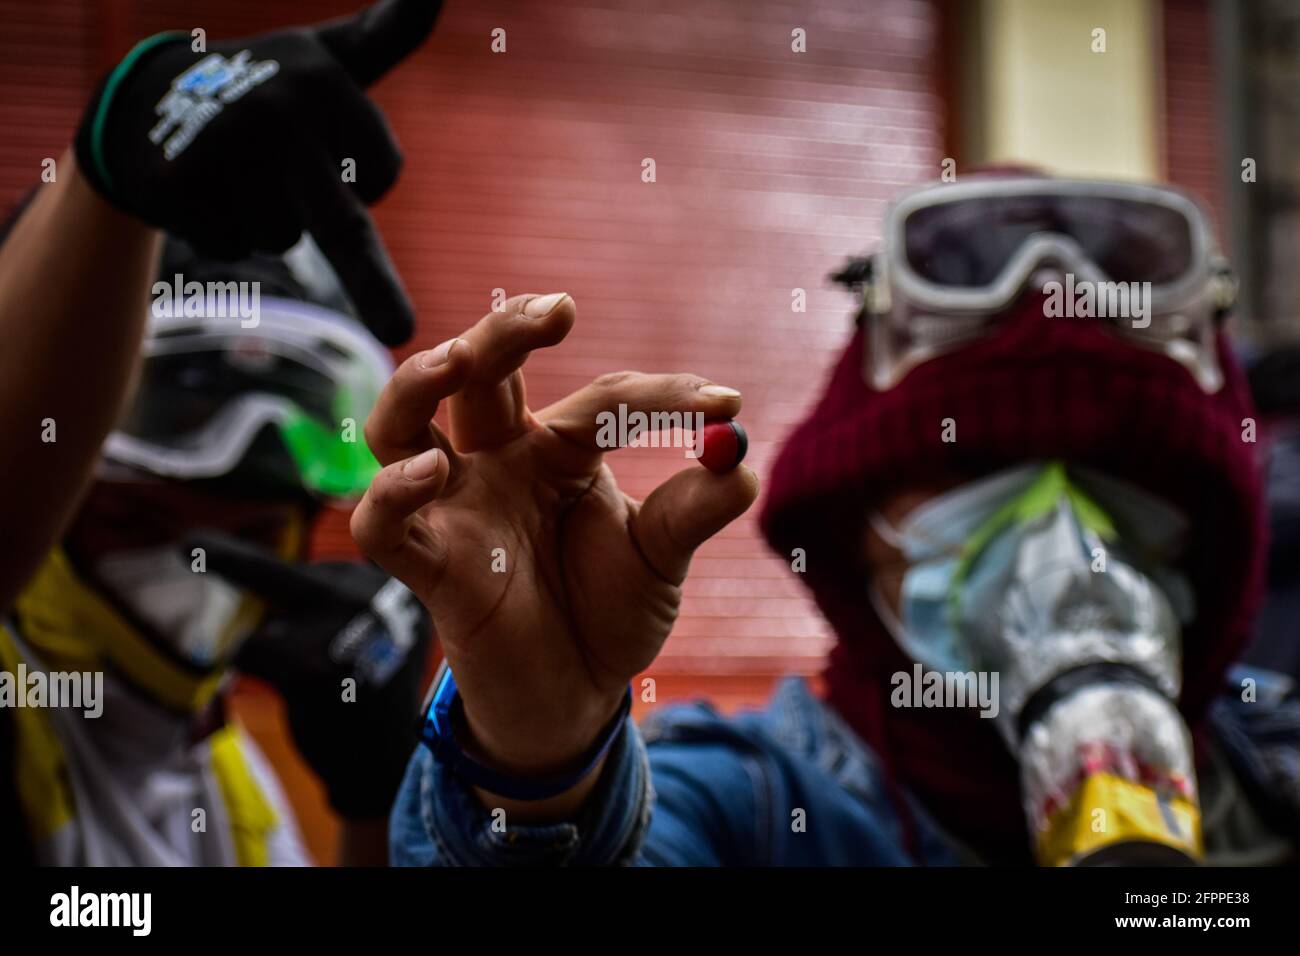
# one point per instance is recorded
(241, 148)
(326, 623)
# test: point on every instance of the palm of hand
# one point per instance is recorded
(549, 588)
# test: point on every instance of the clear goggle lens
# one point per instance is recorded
(1142, 258)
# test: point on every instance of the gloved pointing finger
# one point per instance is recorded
(373, 41)
(156, 141)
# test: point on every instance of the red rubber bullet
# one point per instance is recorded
(725, 444)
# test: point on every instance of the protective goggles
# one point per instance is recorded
(1141, 259)
(213, 395)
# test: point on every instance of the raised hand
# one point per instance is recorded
(548, 586)
(242, 147)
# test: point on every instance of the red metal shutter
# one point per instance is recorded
(524, 171)
(1191, 128)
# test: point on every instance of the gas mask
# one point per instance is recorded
(1065, 586)
(202, 618)
(1029, 549)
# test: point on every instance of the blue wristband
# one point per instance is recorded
(437, 732)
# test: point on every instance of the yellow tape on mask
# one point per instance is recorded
(1108, 809)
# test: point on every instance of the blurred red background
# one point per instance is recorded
(523, 172)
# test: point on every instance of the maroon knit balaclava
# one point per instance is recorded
(1036, 388)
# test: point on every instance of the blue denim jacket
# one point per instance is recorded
(789, 785)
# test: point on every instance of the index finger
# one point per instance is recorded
(492, 408)
(401, 423)
(373, 41)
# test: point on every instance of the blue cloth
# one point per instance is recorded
(789, 785)
(1276, 643)
(1259, 733)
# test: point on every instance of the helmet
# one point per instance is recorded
(255, 376)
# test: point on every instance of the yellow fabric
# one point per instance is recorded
(252, 818)
(44, 790)
(72, 628)
(1108, 809)
(46, 796)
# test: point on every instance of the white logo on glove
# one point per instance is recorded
(201, 92)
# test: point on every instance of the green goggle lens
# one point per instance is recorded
(333, 462)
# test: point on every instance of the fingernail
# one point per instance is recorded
(436, 356)
(422, 466)
(719, 391)
(544, 305)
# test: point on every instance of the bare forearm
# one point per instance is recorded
(75, 276)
